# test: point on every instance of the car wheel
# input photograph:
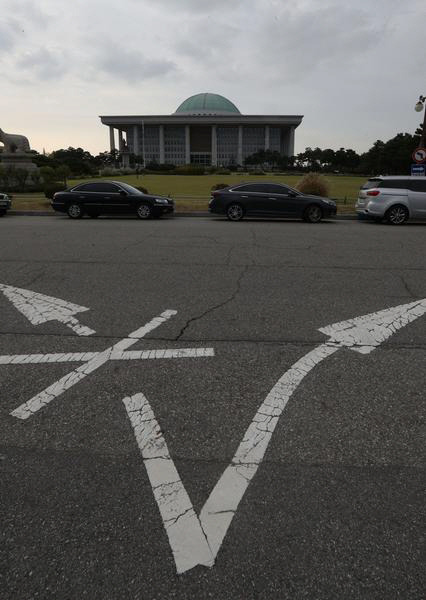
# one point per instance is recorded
(144, 211)
(75, 211)
(312, 214)
(235, 212)
(397, 215)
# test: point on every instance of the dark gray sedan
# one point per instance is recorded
(110, 198)
(270, 200)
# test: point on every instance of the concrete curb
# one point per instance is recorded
(44, 213)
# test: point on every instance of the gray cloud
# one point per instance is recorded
(132, 66)
(43, 64)
(9, 33)
(198, 6)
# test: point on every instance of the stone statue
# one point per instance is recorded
(16, 153)
(13, 142)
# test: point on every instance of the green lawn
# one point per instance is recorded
(200, 185)
(192, 192)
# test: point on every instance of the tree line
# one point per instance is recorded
(383, 158)
(391, 157)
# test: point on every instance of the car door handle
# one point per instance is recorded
(82, 197)
(244, 196)
(271, 198)
(107, 197)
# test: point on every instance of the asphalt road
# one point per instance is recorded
(337, 507)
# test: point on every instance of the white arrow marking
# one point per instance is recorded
(61, 357)
(38, 308)
(365, 333)
(65, 383)
(362, 334)
(187, 540)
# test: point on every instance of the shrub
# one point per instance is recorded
(154, 166)
(257, 172)
(52, 188)
(219, 186)
(107, 172)
(313, 183)
(47, 174)
(189, 170)
(141, 189)
(223, 172)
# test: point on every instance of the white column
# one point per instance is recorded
(187, 145)
(120, 140)
(240, 145)
(111, 138)
(135, 140)
(267, 137)
(290, 142)
(161, 134)
(214, 146)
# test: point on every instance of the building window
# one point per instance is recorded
(201, 158)
(227, 145)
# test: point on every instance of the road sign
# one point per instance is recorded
(418, 170)
(196, 540)
(419, 155)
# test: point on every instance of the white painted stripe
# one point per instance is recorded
(363, 334)
(218, 512)
(61, 357)
(186, 537)
(53, 391)
(38, 308)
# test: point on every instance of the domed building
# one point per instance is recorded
(206, 129)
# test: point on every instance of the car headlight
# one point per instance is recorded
(161, 201)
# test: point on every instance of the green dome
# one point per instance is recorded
(207, 104)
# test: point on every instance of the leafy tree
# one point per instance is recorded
(35, 176)
(47, 174)
(62, 173)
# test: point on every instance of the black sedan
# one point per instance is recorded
(110, 197)
(269, 200)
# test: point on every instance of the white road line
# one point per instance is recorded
(61, 357)
(219, 510)
(38, 308)
(53, 391)
(186, 537)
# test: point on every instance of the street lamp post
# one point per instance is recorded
(418, 108)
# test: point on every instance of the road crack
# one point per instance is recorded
(216, 306)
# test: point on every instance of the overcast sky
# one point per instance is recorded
(353, 69)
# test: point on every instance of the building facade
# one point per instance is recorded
(206, 129)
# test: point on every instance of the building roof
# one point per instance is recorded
(207, 104)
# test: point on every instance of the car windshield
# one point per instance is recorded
(130, 188)
(371, 183)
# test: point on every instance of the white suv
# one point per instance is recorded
(5, 203)
(393, 198)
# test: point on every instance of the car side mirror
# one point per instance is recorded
(292, 194)
(122, 193)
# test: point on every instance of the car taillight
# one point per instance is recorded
(373, 193)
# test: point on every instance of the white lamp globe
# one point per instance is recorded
(419, 106)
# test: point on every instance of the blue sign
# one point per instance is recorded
(418, 170)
